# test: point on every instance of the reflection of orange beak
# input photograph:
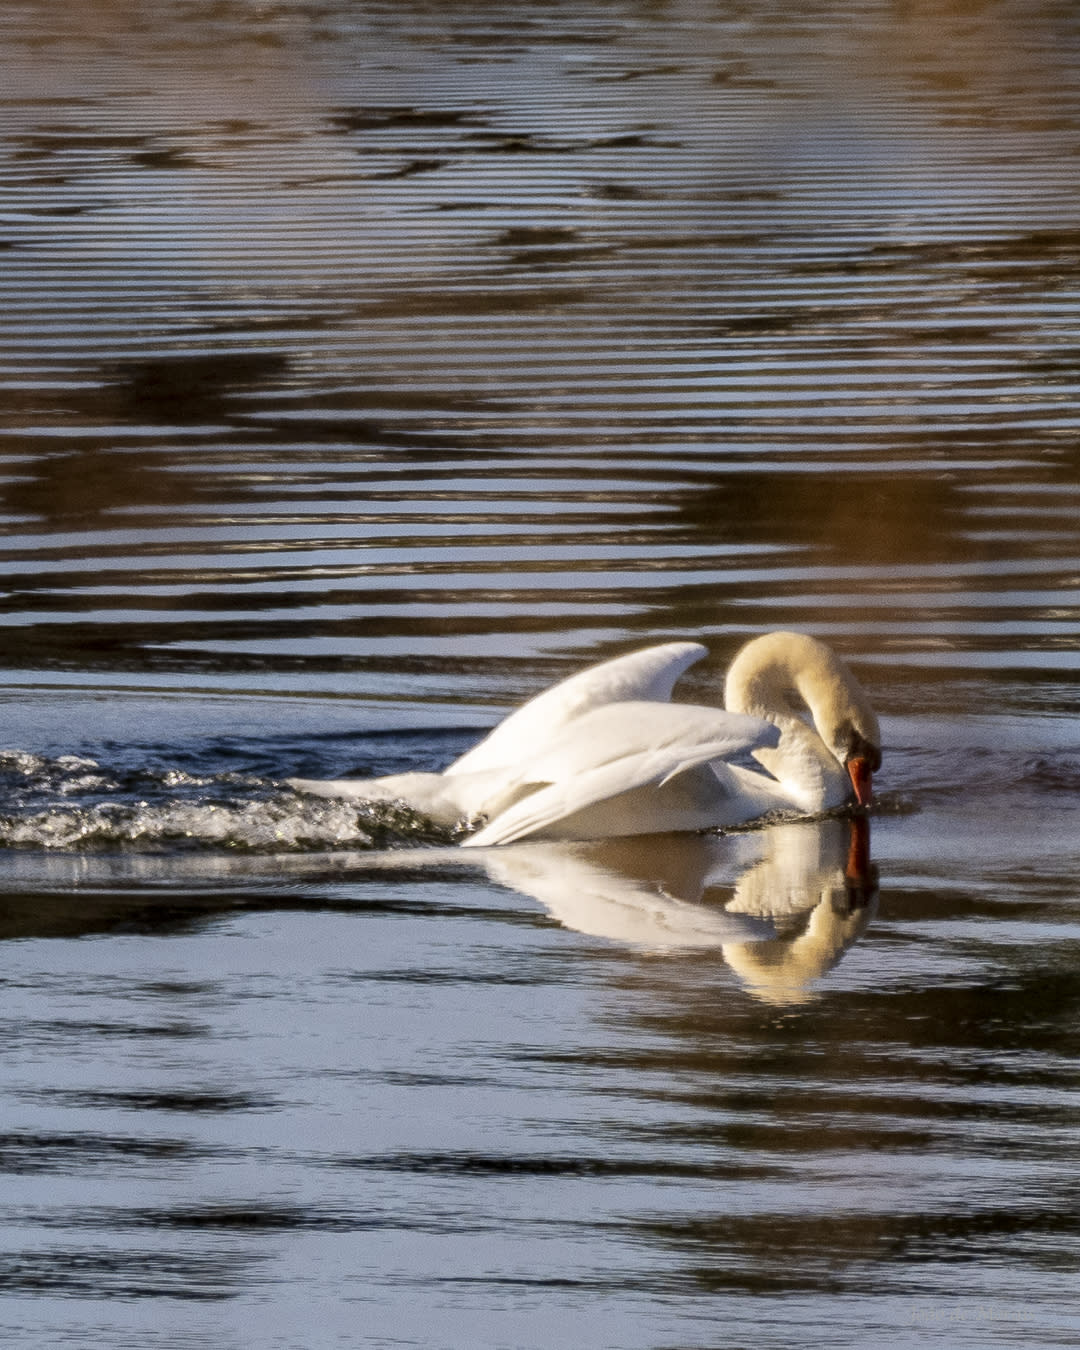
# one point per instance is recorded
(860, 874)
(857, 870)
(861, 780)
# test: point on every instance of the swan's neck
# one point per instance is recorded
(782, 677)
(807, 772)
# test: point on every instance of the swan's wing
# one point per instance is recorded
(648, 674)
(613, 751)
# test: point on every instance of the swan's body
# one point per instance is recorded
(605, 753)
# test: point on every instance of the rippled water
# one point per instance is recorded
(364, 368)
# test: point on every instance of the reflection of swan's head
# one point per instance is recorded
(781, 675)
(818, 884)
(782, 971)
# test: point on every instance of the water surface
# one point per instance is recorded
(364, 368)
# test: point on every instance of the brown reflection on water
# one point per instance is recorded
(98, 477)
(707, 308)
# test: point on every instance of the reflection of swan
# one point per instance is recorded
(782, 905)
(605, 754)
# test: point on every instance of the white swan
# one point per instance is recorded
(605, 753)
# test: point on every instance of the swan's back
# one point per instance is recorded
(648, 675)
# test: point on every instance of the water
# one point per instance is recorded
(365, 368)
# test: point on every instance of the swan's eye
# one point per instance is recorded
(853, 745)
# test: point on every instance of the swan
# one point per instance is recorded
(605, 753)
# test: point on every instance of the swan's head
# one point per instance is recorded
(785, 674)
(861, 756)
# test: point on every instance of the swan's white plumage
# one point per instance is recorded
(649, 675)
(604, 753)
(633, 759)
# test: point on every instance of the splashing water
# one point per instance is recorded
(71, 802)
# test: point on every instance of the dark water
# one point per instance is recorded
(365, 367)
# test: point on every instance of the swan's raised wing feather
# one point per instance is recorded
(614, 750)
(527, 733)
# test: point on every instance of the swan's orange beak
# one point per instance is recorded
(862, 779)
